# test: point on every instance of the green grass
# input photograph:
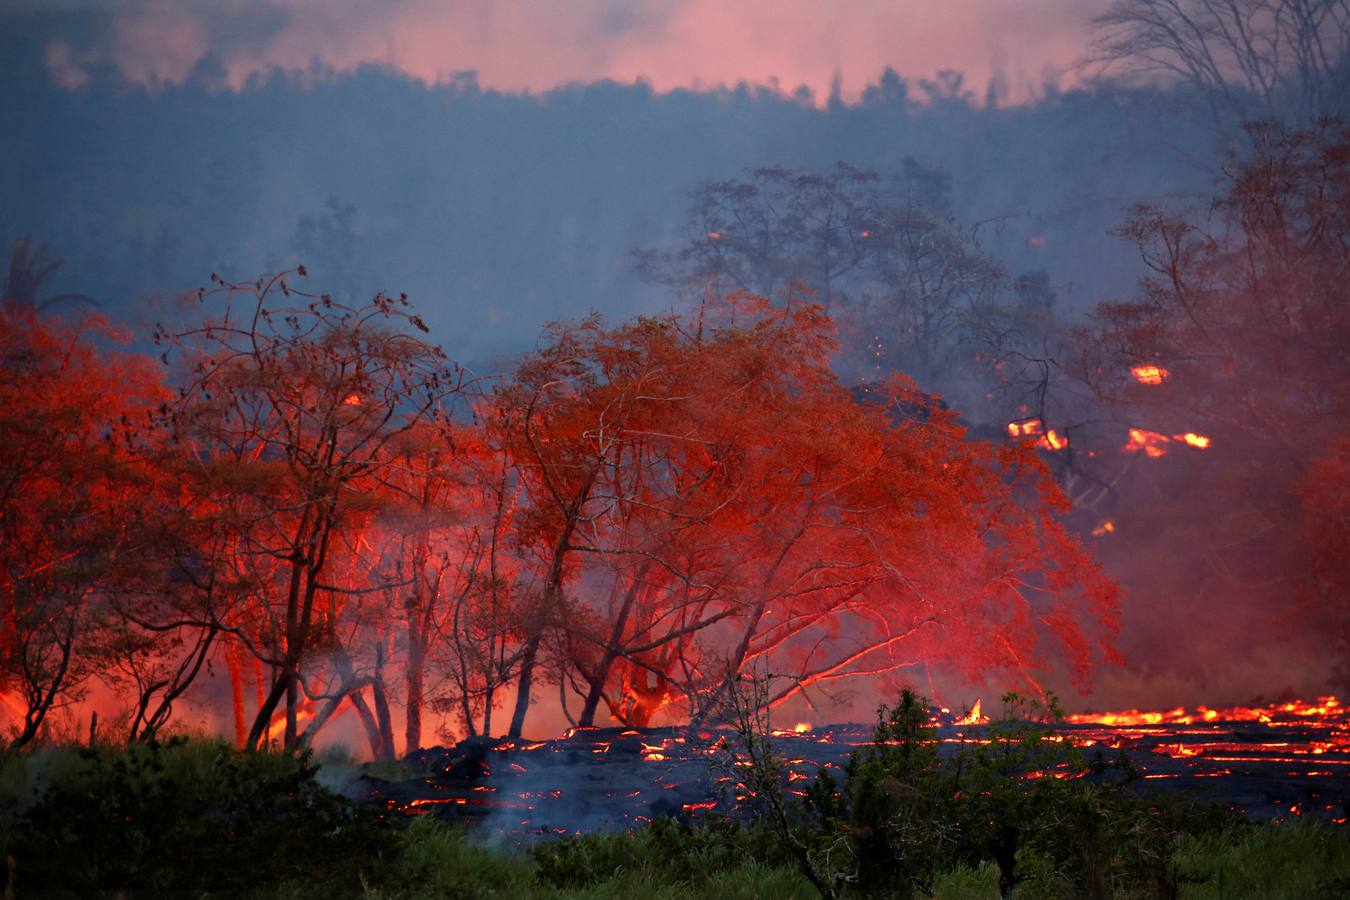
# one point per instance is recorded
(663, 861)
(1305, 859)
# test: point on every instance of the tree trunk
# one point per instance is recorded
(597, 680)
(523, 685)
(368, 722)
(382, 716)
(236, 695)
(292, 703)
(326, 711)
(594, 694)
(412, 732)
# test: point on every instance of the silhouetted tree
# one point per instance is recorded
(1261, 59)
(29, 272)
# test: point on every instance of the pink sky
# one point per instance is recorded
(538, 44)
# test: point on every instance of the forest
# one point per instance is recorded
(419, 487)
(308, 494)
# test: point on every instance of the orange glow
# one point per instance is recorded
(1107, 527)
(1049, 440)
(1150, 443)
(802, 727)
(1294, 711)
(1153, 444)
(278, 725)
(1198, 441)
(352, 400)
(974, 717)
(1149, 374)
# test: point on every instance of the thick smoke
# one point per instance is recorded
(500, 211)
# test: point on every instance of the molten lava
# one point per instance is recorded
(1149, 374)
(1327, 709)
(1047, 440)
(1276, 761)
(1150, 443)
(1198, 441)
(1153, 445)
(974, 717)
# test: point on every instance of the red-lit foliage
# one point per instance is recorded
(635, 517)
(289, 405)
(70, 492)
(702, 499)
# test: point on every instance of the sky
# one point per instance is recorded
(534, 45)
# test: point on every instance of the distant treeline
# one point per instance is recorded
(499, 212)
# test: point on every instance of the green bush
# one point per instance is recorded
(184, 817)
(197, 819)
(669, 851)
(1036, 806)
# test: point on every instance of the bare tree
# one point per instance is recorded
(1269, 59)
(29, 271)
(290, 404)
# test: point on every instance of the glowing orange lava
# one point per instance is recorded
(974, 717)
(1149, 374)
(1293, 711)
(1153, 444)
(1195, 440)
(1150, 443)
(1049, 440)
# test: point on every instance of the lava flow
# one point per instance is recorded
(1271, 762)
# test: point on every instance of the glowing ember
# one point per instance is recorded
(1150, 443)
(1049, 440)
(1149, 374)
(352, 400)
(1195, 440)
(802, 727)
(1153, 445)
(1105, 528)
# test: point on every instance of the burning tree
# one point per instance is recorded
(287, 412)
(70, 503)
(1237, 349)
(703, 497)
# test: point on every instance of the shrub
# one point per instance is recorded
(1040, 808)
(181, 817)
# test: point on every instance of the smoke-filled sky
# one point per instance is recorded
(538, 44)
